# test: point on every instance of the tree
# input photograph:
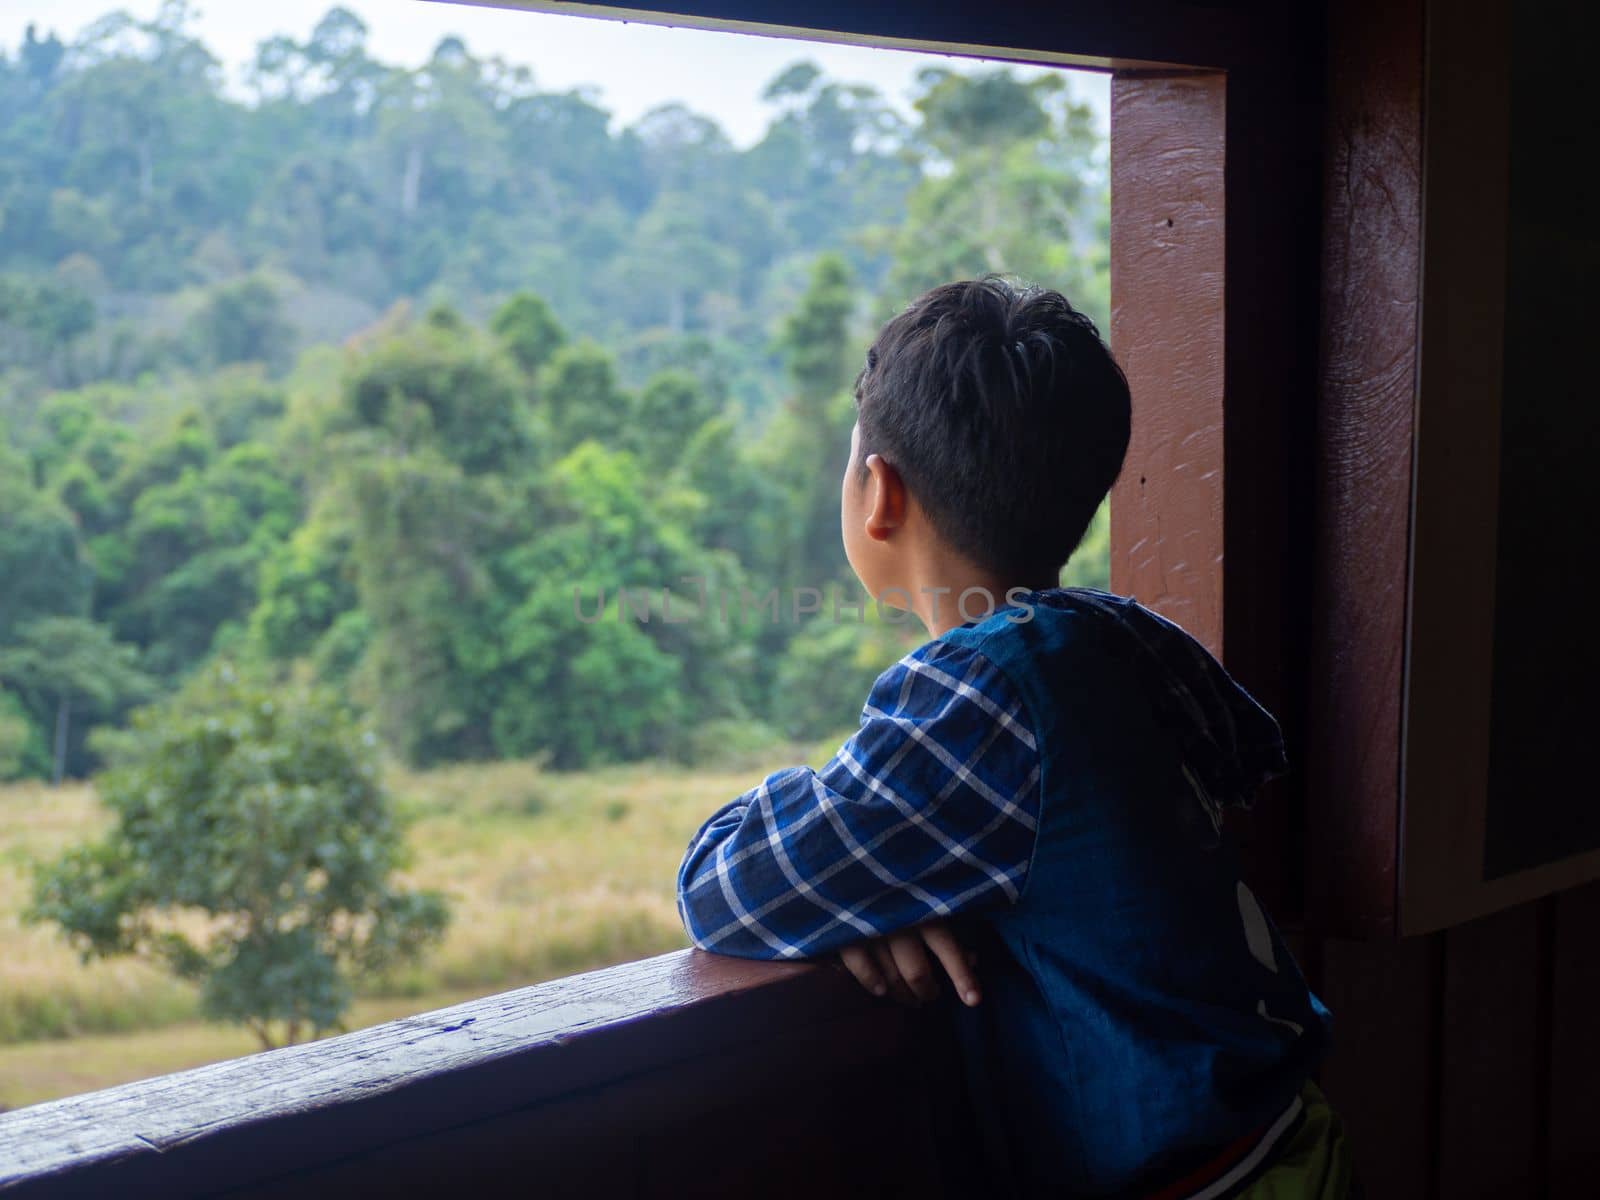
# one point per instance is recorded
(404, 509)
(449, 389)
(438, 127)
(421, 533)
(815, 339)
(962, 113)
(41, 56)
(681, 253)
(833, 160)
(587, 686)
(17, 735)
(829, 667)
(41, 568)
(39, 319)
(529, 330)
(244, 322)
(579, 392)
(59, 663)
(744, 510)
(671, 409)
(810, 438)
(192, 550)
(306, 585)
(1017, 190)
(252, 851)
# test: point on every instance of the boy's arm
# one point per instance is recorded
(930, 809)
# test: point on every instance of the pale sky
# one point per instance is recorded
(635, 67)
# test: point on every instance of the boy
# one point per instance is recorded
(1049, 778)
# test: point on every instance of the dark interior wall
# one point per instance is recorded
(1545, 660)
(1464, 1060)
(1461, 1064)
(1369, 286)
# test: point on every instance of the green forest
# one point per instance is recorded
(355, 380)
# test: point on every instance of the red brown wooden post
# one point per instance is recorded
(1167, 308)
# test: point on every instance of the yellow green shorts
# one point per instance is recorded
(1313, 1164)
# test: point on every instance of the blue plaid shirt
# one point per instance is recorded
(931, 808)
(1062, 779)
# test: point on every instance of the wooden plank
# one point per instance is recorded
(1213, 262)
(1371, 277)
(1139, 33)
(1491, 1069)
(1381, 1075)
(1574, 1103)
(1449, 732)
(296, 1108)
(1455, 469)
(707, 1126)
(1167, 310)
(1273, 181)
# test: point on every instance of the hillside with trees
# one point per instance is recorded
(358, 380)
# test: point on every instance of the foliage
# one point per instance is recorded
(16, 734)
(354, 182)
(529, 330)
(58, 664)
(252, 852)
(809, 439)
(435, 386)
(41, 561)
(547, 874)
(306, 585)
(829, 668)
(372, 381)
(1090, 564)
(244, 322)
(1021, 190)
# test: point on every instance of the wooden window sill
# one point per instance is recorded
(523, 1078)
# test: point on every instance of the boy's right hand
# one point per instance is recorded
(900, 965)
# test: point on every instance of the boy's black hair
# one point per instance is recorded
(1004, 413)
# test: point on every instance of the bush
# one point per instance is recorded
(252, 852)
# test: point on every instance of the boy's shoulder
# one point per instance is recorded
(1000, 663)
(1083, 623)
(1099, 660)
(942, 673)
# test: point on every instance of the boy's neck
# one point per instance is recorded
(938, 583)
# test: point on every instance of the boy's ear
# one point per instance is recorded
(887, 499)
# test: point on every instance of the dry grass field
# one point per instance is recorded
(548, 874)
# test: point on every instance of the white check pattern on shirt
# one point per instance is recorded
(931, 808)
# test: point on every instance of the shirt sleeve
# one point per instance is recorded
(930, 809)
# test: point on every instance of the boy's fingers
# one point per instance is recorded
(957, 962)
(916, 968)
(891, 971)
(859, 962)
(899, 965)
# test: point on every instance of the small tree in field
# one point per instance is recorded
(252, 852)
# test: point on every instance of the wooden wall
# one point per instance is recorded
(1466, 1060)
